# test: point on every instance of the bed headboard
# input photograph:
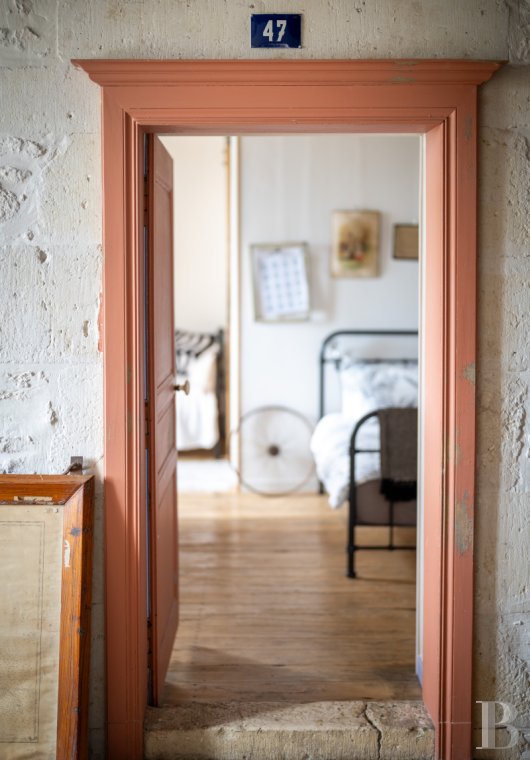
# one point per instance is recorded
(190, 345)
(330, 353)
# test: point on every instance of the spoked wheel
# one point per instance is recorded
(274, 450)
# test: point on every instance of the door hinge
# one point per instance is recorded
(146, 207)
(149, 640)
(147, 419)
(146, 179)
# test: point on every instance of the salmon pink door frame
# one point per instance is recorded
(436, 98)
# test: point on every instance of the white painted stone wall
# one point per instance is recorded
(50, 249)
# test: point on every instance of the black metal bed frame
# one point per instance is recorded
(191, 345)
(351, 546)
(325, 359)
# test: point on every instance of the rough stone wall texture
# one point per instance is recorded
(502, 595)
(50, 249)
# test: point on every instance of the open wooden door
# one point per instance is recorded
(160, 409)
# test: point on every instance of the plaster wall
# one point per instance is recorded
(200, 234)
(290, 186)
(50, 251)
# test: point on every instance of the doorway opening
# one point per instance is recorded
(434, 98)
(237, 547)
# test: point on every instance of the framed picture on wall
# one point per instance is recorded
(281, 286)
(355, 244)
(406, 242)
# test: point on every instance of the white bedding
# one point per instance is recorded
(330, 446)
(198, 413)
(365, 388)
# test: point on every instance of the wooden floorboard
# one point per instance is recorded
(268, 614)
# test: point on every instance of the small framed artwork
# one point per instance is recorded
(406, 242)
(355, 244)
(281, 286)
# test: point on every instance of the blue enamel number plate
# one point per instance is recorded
(276, 30)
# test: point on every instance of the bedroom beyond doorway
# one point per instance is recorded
(336, 208)
(235, 200)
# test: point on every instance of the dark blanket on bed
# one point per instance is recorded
(399, 453)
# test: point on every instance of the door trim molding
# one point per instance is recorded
(434, 97)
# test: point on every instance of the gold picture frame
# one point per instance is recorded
(355, 243)
(406, 242)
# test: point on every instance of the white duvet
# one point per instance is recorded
(365, 388)
(197, 426)
(330, 446)
(198, 413)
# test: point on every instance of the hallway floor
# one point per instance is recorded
(268, 614)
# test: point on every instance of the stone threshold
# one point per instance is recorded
(282, 731)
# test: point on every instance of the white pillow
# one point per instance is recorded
(202, 371)
(370, 386)
(354, 404)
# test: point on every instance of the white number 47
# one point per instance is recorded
(281, 25)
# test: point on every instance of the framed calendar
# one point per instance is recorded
(281, 285)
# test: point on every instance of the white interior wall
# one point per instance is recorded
(234, 315)
(420, 527)
(200, 230)
(289, 187)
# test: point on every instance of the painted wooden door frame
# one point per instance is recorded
(434, 97)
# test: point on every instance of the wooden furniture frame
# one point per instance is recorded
(436, 98)
(76, 493)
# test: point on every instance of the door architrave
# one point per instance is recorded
(434, 97)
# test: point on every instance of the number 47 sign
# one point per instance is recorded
(276, 30)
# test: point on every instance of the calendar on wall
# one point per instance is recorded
(281, 286)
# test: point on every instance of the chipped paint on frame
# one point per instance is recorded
(463, 525)
(469, 373)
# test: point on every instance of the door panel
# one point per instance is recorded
(161, 415)
(165, 438)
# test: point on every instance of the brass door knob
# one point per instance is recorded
(185, 386)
